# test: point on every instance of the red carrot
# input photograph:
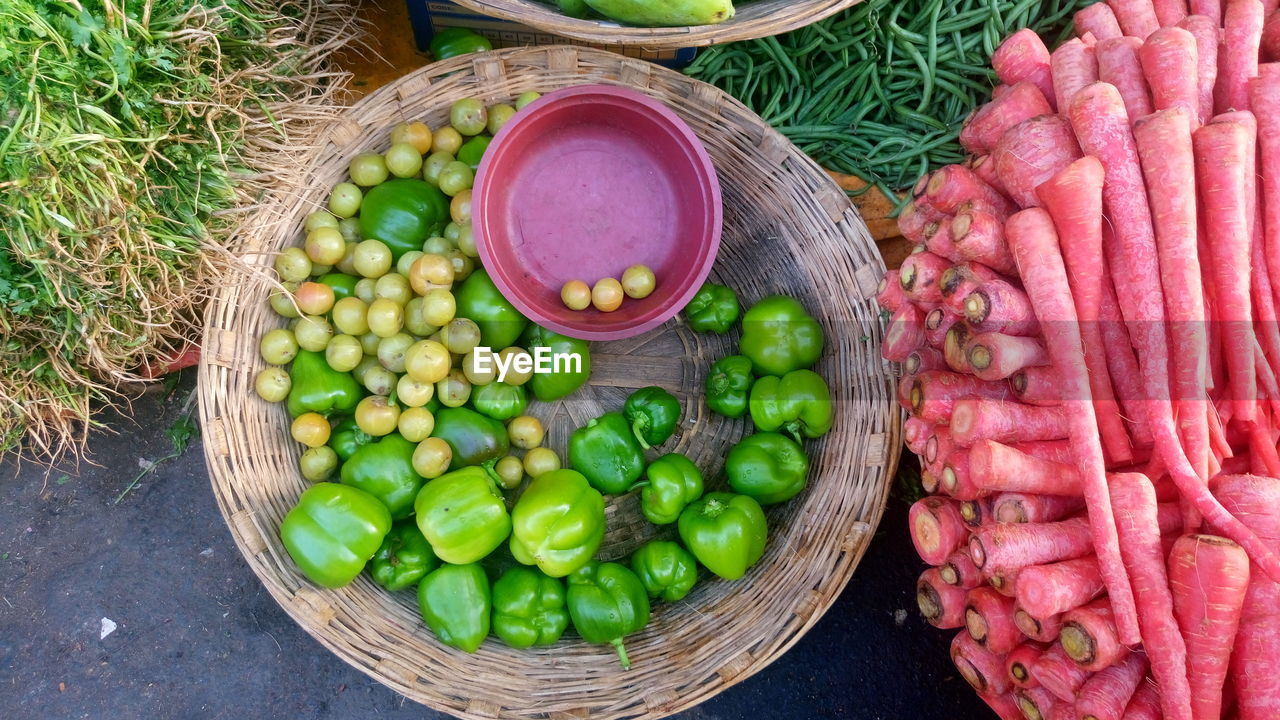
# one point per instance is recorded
(937, 447)
(1145, 703)
(1004, 706)
(979, 237)
(955, 480)
(1105, 695)
(929, 481)
(1073, 65)
(1053, 589)
(1058, 674)
(919, 276)
(996, 356)
(1206, 34)
(1090, 638)
(1209, 576)
(915, 432)
(1241, 43)
(913, 219)
(1118, 64)
(937, 239)
(1036, 703)
(1017, 546)
(1019, 507)
(1073, 198)
(985, 169)
(1265, 98)
(1023, 56)
(1037, 386)
(889, 294)
(998, 306)
(925, 358)
(976, 419)
(995, 467)
(1139, 532)
(960, 571)
(1255, 661)
(1018, 662)
(1164, 147)
(942, 605)
(958, 281)
(1126, 377)
(1211, 9)
(1035, 248)
(985, 127)
(1043, 629)
(936, 529)
(1099, 20)
(1137, 17)
(1271, 38)
(904, 334)
(953, 348)
(1169, 12)
(935, 392)
(952, 186)
(980, 667)
(1170, 64)
(936, 324)
(976, 512)
(1220, 154)
(988, 616)
(1030, 153)
(905, 383)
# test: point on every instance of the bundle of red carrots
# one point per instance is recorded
(1090, 349)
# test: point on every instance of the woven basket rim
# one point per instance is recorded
(381, 646)
(755, 19)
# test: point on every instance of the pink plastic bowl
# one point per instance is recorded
(583, 183)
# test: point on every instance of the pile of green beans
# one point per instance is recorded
(881, 90)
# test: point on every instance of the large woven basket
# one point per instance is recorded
(753, 19)
(788, 228)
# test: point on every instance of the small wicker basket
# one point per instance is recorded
(753, 19)
(788, 228)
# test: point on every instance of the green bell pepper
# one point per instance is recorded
(384, 469)
(463, 516)
(714, 308)
(528, 608)
(474, 438)
(347, 438)
(563, 380)
(402, 213)
(456, 605)
(607, 602)
(607, 452)
(472, 151)
(769, 467)
(404, 558)
(343, 285)
(455, 41)
(653, 414)
(672, 482)
(574, 8)
(665, 569)
(316, 387)
(479, 299)
(499, 400)
(727, 385)
(558, 523)
(333, 531)
(779, 336)
(798, 403)
(726, 532)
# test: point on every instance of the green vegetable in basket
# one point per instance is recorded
(455, 41)
(567, 378)
(347, 438)
(456, 604)
(479, 299)
(779, 336)
(726, 532)
(671, 482)
(384, 469)
(402, 213)
(665, 569)
(463, 516)
(558, 523)
(798, 403)
(499, 400)
(404, 558)
(714, 309)
(343, 285)
(528, 608)
(607, 452)
(607, 602)
(475, 439)
(653, 414)
(574, 8)
(472, 151)
(664, 13)
(316, 387)
(727, 385)
(769, 467)
(332, 531)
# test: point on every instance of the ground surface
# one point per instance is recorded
(195, 635)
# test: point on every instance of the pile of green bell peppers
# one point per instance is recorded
(607, 452)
